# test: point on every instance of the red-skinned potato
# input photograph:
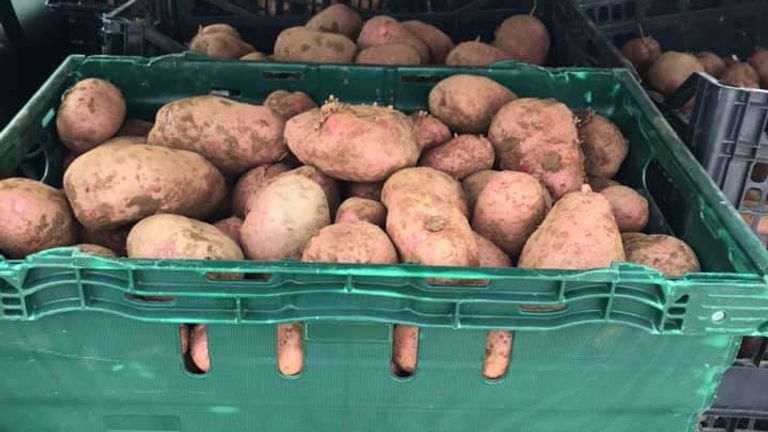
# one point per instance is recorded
(231, 227)
(712, 63)
(370, 190)
(667, 254)
(220, 45)
(524, 38)
(250, 182)
(474, 184)
(389, 54)
(286, 104)
(475, 53)
(420, 181)
(605, 148)
(382, 30)
(300, 44)
(350, 242)
(360, 209)
(439, 43)
(430, 132)
(467, 103)
(641, 52)
(460, 157)
(337, 18)
(671, 70)
(91, 112)
(630, 209)
(135, 127)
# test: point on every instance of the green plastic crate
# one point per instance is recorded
(631, 350)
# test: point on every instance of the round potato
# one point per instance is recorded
(116, 184)
(525, 38)
(383, 30)
(250, 183)
(360, 209)
(712, 63)
(641, 52)
(605, 148)
(539, 136)
(473, 185)
(671, 70)
(110, 238)
(284, 215)
(337, 140)
(489, 255)
(439, 43)
(34, 217)
(286, 104)
(474, 53)
(234, 136)
(329, 185)
(90, 113)
(299, 44)
(630, 209)
(509, 208)
(667, 254)
(337, 18)
(219, 28)
(389, 54)
(741, 74)
(461, 156)
(423, 180)
(430, 132)
(220, 45)
(759, 61)
(231, 227)
(167, 236)
(467, 103)
(351, 242)
(371, 191)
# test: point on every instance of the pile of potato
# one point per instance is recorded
(484, 179)
(338, 35)
(667, 71)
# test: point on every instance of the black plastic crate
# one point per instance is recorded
(153, 27)
(95, 6)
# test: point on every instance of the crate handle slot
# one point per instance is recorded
(225, 92)
(151, 299)
(292, 76)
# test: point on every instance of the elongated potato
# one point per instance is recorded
(473, 185)
(382, 30)
(498, 347)
(116, 184)
(351, 242)
(525, 38)
(250, 183)
(431, 231)
(234, 136)
(439, 43)
(405, 349)
(337, 140)
(509, 208)
(467, 103)
(630, 209)
(284, 215)
(578, 233)
(539, 137)
(198, 347)
(605, 148)
(90, 113)
(300, 44)
(460, 157)
(290, 349)
(167, 236)
(475, 53)
(423, 180)
(337, 18)
(430, 132)
(33, 217)
(362, 210)
(664, 253)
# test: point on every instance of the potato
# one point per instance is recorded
(761, 228)
(96, 250)
(473, 185)
(604, 147)
(389, 54)
(630, 209)
(133, 127)
(405, 349)
(509, 208)
(539, 137)
(467, 103)
(489, 255)
(231, 227)
(667, 254)
(90, 113)
(337, 140)
(168, 236)
(578, 233)
(671, 70)
(250, 183)
(255, 56)
(299, 44)
(759, 61)
(290, 350)
(234, 136)
(741, 74)
(431, 231)
(599, 184)
(420, 181)
(712, 63)
(430, 132)
(461, 156)
(361, 209)
(350, 242)
(198, 347)
(116, 184)
(525, 38)
(220, 45)
(642, 52)
(439, 43)
(110, 238)
(329, 185)
(383, 30)
(34, 217)
(284, 215)
(371, 190)
(498, 346)
(219, 28)
(475, 53)
(286, 104)
(338, 18)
